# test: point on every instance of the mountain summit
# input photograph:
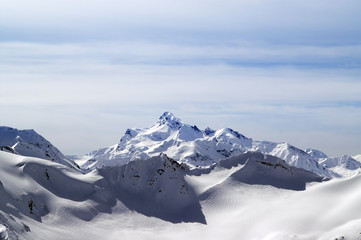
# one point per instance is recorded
(188, 144)
(169, 119)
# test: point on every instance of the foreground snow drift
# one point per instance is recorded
(238, 198)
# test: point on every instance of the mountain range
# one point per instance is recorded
(176, 181)
(201, 148)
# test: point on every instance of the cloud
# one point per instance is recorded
(153, 53)
(103, 73)
(277, 21)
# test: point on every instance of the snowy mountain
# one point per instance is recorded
(344, 166)
(260, 169)
(159, 182)
(142, 199)
(188, 144)
(29, 143)
(212, 183)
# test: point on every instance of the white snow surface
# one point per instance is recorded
(357, 157)
(158, 198)
(3, 233)
(188, 144)
(30, 143)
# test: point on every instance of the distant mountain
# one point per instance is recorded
(345, 165)
(256, 168)
(30, 143)
(188, 144)
(182, 142)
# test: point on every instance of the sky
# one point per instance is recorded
(81, 72)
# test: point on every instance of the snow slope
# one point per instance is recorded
(357, 157)
(3, 233)
(29, 143)
(237, 198)
(33, 190)
(188, 144)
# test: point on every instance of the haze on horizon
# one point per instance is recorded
(81, 73)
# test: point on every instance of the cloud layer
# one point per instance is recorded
(277, 21)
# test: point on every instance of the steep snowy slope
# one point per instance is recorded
(155, 187)
(33, 190)
(188, 144)
(29, 143)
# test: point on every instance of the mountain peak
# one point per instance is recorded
(169, 119)
(29, 143)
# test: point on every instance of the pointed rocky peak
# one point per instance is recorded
(208, 131)
(169, 119)
(195, 128)
(131, 132)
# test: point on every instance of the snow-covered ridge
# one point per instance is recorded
(195, 147)
(260, 169)
(33, 188)
(141, 199)
(30, 143)
(183, 142)
(158, 187)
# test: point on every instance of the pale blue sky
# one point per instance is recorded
(81, 72)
